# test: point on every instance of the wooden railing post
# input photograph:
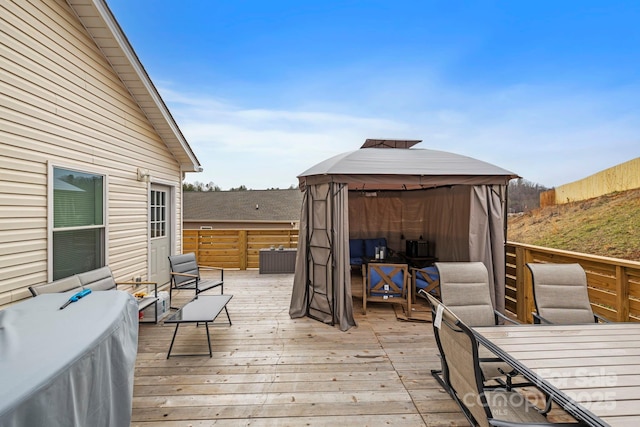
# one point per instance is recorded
(622, 294)
(197, 246)
(521, 286)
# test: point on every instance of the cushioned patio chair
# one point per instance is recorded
(561, 295)
(71, 283)
(386, 283)
(481, 405)
(185, 274)
(425, 279)
(100, 279)
(464, 289)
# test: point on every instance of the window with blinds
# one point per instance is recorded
(78, 222)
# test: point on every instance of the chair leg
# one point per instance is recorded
(439, 375)
(171, 307)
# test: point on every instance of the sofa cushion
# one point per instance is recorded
(99, 279)
(356, 248)
(370, 246)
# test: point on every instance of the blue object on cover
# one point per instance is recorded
(397, 278)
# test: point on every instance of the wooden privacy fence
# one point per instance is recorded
(235, 248)
(614, 284)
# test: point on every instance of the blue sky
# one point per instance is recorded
(263, 90)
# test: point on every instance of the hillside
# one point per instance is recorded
(607, 226)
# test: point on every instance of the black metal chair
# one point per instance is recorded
(185, 274)
(481, 405)
(464, 289)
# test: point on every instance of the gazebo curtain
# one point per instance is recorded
(487, 236)
(322, 281)
(465, 222)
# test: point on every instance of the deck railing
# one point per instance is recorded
(614, 284)
(235, 248)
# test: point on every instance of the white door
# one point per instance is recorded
(160, 231)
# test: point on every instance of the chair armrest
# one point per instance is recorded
(537, 319)
(599, 319)
(208, 267)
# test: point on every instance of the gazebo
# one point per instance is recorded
(389, 189)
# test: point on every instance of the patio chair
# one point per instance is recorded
(561, 295)
(185, 274)
(481, 405)
(464, 289)
(386, 283)
(425, 279)
(71, 283)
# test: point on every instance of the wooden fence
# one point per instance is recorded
(622, 177)
(235, 248)
(614, 284)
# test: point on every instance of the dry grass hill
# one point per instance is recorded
(607, 226)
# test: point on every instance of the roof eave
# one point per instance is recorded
(96, 17)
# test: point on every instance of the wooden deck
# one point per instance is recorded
(270, 370)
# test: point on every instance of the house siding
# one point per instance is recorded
(62, 104)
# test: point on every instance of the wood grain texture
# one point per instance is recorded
(270, 370)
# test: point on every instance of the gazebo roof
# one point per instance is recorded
(403, 168)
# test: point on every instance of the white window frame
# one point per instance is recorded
(50, 209)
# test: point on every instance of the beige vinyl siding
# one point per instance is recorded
(62, 104)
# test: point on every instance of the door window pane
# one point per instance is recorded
(158, 210)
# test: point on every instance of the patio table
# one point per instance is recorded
(591, 370)
(70, 367)
(203, 309)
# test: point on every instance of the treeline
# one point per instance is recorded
(524, 195)
(201, 186)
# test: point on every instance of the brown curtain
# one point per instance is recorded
(322, 281)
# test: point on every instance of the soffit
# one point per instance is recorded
(98, 20)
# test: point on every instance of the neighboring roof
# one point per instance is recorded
(412, 168)
(273, 205)
(98, 20)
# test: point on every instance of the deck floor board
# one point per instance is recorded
(270, 370)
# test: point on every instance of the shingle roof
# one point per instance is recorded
(273, 205)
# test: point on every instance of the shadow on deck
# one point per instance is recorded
(270, 370)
